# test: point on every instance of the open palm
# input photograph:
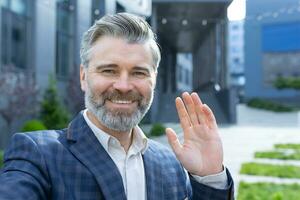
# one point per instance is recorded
(201, 152)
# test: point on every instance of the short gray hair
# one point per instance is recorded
(121, 25)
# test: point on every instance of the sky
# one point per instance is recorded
(236, 10)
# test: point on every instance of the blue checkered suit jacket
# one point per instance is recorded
(71, 164)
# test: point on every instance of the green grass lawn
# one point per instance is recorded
(287, 151)
(293, 155)
(268, 191)
(282, 171)
(287, 146)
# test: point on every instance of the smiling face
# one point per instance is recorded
(118, 82)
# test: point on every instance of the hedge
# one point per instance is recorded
(157, 130)
(287, 83)
(33, 125)
(268, 105)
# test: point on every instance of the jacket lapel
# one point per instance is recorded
(86, 148)
(153, 172)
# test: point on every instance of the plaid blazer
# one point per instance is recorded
(71, 164)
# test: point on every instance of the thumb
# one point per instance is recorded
(173, 141)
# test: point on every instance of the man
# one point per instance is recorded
(103, 154)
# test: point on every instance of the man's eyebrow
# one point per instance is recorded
(101, 66)
(141, 68)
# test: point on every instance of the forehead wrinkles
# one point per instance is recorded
(147, 47)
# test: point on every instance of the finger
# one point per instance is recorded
(198, 107)
(189, 104)
(182, 114)
(210, 117)
(173, 141)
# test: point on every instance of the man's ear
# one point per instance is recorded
(83, 82)
(155, 78)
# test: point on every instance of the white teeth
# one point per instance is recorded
(121, 102)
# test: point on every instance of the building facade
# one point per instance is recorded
(272, 47)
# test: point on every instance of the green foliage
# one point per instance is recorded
(283, 171)
(157, 130)
(288, 146)
(268, 191)
(33, 125)
(53, 114)
(283, 155)
(287, 83)
(287, 151)
(277, 196)
(268, 105)
(1, 159)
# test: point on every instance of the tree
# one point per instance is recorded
(18, 100)
(19, 92)
(53, 114)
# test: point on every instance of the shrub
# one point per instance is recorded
(53, 114)
(268, 105)
(157, 129)
(285, 83)
(33, 125)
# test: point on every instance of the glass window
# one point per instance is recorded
(98, 9)
(236, 60)
(65, 22)
(4, 3)
(18, 6)
(235, 27)
(15, 33)
(18, 41)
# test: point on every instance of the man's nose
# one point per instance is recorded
(123, 84)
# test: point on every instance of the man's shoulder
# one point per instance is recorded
(42, 137)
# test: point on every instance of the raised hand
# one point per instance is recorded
(201, 152)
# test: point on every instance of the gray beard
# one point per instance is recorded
(116, 120)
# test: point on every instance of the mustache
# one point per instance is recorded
(117, 95)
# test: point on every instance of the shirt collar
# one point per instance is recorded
(139, 140)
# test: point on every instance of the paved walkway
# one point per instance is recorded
(256, 130)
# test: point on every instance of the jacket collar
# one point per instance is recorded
(86, 148)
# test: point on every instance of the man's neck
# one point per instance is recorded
(125, 138)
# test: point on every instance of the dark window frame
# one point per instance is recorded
(65, 38)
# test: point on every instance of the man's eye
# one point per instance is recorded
(140, 74)
(108, 71)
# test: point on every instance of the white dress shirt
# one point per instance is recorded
(131, 165)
